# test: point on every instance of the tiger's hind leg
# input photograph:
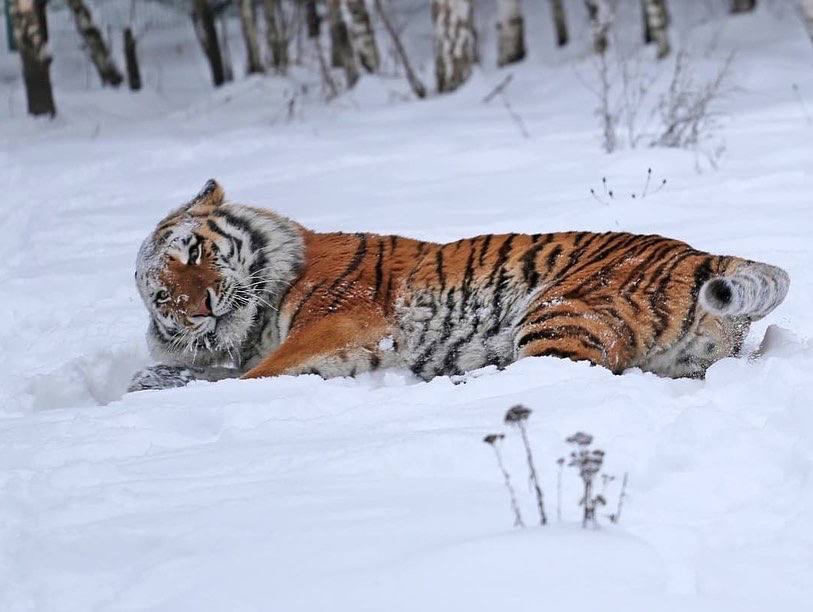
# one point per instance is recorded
(576, 330)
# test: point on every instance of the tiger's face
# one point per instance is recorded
(204, 277)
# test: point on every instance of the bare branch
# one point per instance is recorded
(414, 82)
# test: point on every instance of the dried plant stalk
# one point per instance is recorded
(517, 416)
(492, 440)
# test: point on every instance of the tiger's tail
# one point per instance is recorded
(752, 289)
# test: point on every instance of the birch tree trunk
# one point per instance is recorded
(599, 14)
(657, 20)
(97, 49)
(248, 23)
(510, 32)
(559, 22)
(335, 27)
(341, 53)
(362, 36)
(455, 42)
(131, 60)
(807, 13)
(742, 6)
(276, 34)
(28, 33)
(203, 20)
(228, 66)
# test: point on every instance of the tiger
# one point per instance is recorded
(236, 291)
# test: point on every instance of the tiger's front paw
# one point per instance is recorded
(161, 377)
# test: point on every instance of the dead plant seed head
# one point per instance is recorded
(493, 438)
(517, 414)
(580, 438)
(588, 461)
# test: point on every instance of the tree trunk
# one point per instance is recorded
(312, 18)
(228, 66)
(248, 22)
(276, 34)
(510, 32)
(599, 14)
(361, 34)
(455, 42)
(657, 19)
(97, 49)
(131, 60)
(807, 12)
(31, 44)
(204, 21)
(42, 15)
(559, 22)
(294, 32)
(647, 32)
(742, 6)
(342, 55)
(336, 27)
(414, 82)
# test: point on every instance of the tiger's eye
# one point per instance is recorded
(194, 253)
(161, 296)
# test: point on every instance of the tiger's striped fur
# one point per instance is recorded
(230, 284)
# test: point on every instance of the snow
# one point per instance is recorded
(377, 492)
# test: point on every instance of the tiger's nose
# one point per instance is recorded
(204, 306)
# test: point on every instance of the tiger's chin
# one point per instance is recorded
(213, 343)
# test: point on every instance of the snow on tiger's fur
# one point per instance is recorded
(239, 291)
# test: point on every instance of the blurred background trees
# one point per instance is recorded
(351, 37)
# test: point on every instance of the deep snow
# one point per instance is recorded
(377, 493)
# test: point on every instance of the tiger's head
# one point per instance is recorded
(210, 274)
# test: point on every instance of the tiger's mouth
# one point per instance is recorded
(203, 325)
(223, 327)
(212, 323)
(212, 310)
(211, 335)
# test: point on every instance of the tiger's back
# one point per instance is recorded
(615, 299)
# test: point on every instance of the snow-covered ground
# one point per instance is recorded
(377, 493)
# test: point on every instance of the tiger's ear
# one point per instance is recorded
(212, 194)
